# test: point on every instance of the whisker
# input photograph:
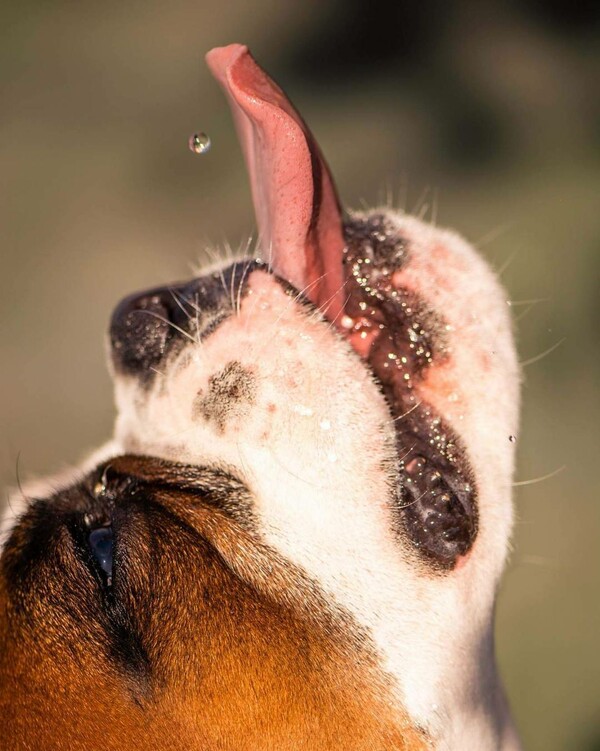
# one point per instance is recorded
(220, 270)
(540, 479)
(525, 312)
(538, 560)
(169, 323)
(232, 285)
(177, 299)
(421, 202)
(506, 263)
(238, 304)
(403, 457)
(389, 194)
(403, 193)
(331, 323)
(293, 474)
(423, 212)
(434, 206)
(516, 303)
(19, 484)
(494, 234)
(412, 503)
(290, 302)
(324, 307)
(543, 354)
(412, 409)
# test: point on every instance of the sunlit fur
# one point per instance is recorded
(316, 449)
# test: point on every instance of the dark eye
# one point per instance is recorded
(100, 542)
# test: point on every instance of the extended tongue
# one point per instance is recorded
(297, 208)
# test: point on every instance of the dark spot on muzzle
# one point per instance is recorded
(231, 391)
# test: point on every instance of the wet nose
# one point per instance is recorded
(149, 326)
(142, 329)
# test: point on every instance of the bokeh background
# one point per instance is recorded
(479, 114)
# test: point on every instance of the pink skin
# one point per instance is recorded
(297, 208)
(301, 232)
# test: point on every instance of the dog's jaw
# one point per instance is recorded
(313, 438)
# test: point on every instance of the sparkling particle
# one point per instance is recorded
(301, 409)
(99, 489)
(199, 143)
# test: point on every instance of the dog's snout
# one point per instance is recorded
(140, 331)
(148, 326)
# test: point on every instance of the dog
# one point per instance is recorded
(295, 537)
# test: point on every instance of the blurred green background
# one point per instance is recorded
(483, 113)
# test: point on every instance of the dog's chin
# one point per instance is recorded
(141, 609)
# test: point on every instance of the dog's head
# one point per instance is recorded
(295, 537)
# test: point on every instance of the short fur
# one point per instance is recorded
(273, 486)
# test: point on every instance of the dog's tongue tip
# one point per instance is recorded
(295, 201)
(219, 59)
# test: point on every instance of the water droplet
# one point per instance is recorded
(512, 438)
(199, 143)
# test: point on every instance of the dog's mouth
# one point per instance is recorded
(350, 268)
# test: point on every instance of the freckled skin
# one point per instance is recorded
(231, 393)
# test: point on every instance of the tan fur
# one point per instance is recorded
(245, 653)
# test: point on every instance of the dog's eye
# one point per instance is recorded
(100, 542)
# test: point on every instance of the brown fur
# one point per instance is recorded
(241, 651)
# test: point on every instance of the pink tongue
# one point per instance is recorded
(297, 209)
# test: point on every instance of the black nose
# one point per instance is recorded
(150, 326)
(142, 329)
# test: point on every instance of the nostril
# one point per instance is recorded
(140, 331)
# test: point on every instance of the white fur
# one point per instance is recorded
(315, 468)
(315, 465)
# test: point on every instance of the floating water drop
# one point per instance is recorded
(199, 143)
